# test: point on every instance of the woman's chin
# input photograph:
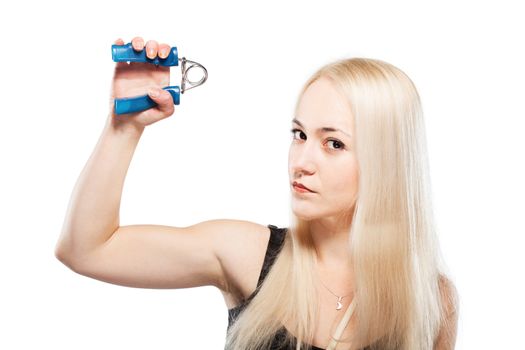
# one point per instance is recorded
(305, 215)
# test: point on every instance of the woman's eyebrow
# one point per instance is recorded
(323, 129)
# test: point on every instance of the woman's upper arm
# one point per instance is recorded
(156, 256)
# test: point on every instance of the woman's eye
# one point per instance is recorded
(340, 146)
(336, 142)
(293, 131)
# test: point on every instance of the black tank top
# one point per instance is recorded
(277, 236)
(275, 244)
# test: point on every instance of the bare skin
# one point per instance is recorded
(325, 163)
(224, 253)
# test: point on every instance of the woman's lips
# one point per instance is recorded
(301, 188)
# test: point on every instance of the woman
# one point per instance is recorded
(360, 266)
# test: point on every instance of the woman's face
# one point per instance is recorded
(323, 161)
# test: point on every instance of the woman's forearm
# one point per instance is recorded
(93, 211)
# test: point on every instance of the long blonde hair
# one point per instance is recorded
(398, 267)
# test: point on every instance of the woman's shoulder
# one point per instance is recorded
(242, 252)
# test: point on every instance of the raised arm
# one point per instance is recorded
(93, 212)
(93, 243)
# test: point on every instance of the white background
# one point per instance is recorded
(223, 154)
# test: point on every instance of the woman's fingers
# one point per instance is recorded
(164, 50)
(163, 99)
(137, 43)
(120, 65)
(151, 49)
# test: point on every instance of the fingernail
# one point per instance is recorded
(154, 92)
(164, 53)
(151, 52)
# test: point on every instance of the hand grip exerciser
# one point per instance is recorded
(125, 53)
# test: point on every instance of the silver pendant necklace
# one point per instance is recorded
(339, 305)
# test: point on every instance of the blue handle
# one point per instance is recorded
(123, 53)
(140, 103)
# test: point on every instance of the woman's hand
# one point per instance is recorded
(140, 78)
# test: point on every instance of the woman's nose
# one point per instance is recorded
(302, 161)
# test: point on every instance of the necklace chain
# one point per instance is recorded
(339, 305)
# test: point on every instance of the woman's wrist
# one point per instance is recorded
(119, 125)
